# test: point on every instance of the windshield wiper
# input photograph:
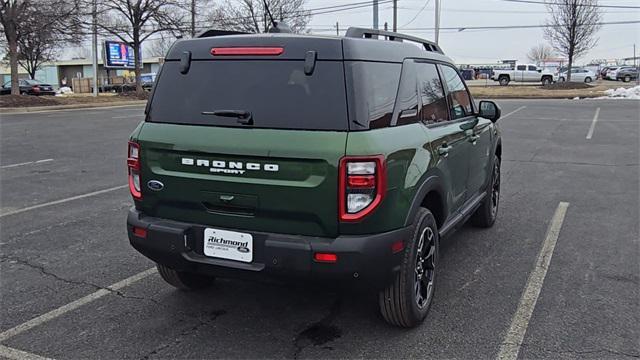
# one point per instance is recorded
(244, 117)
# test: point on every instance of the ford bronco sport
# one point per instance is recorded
(344, 159)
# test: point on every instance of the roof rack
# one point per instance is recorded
(213, 32)
(356, 32)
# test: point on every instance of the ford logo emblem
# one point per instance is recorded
(155, 185)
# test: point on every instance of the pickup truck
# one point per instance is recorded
(523, 73)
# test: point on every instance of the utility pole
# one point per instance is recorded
(375, 14)
(94, 47)
(193, 18)
(337, 29)
(395, 15)
(437, 36)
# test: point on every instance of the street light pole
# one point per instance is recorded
(94, 47)
(375, 14)
(395, 15)
(437, 22)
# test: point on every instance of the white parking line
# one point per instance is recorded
(593, 124)
(74, 305)
(512, 342)
(15, 354)
(18, 211)
(513, 112)
(26, 163)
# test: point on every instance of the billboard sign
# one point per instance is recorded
(118, 55)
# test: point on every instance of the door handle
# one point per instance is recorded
(444, 150)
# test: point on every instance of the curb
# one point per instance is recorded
(28, 109)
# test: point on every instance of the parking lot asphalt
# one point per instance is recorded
(71, 286)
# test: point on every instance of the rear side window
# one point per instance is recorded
(434, 104)
(372, 89)
(521, 67)
(459, 99)
(277, 94)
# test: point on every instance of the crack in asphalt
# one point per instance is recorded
(320, 332)
(581, 352)
(186, 332)
(46, 272)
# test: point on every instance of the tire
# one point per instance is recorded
(184, 280)
(503, 80)
(588, 80)
(546, 80)
(406, 302)
(485, 215)
(561, 79)
(627, 78)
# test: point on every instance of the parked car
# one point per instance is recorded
(612, 73)
(603, 72)
(29, 87)
(523, 73)
(343, 159)
(627, 74)
(578, 75)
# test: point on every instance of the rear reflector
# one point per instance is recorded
(239, 51)
(325, 257)
(397, 246)
(140, 232)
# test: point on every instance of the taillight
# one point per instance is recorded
(361, 186)
(239, 51)
(133, 163)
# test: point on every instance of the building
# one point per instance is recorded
(58, 72)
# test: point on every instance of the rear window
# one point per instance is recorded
(277, 94)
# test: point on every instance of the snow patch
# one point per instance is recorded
(622, 93)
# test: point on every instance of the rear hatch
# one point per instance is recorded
(247, 141)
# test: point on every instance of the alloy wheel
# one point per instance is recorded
(425, 267)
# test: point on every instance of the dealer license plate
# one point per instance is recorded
(230, 245)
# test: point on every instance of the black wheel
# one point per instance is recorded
(486, 214)
(587, 80)
(503, 80)
(627, 78)
(184, 280)
(546, 81)
(406, 302)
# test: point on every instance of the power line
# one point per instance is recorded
(555, 3)
(418, 13)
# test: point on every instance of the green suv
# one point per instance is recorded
(342, 159)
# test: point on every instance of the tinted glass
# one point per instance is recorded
(459, 99)
(277, 94)
(372, 89)
(406, 108)
(532, 68)
(521, 67)
(434, 104)
(32, 82)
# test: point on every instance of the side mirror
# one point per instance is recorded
(489, 110)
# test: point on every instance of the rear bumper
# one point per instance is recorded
(367, 260)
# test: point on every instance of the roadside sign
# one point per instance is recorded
(118, 55)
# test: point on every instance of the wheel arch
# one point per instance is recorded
(430, 194)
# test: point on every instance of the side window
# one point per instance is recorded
(406, 107)
(532, 68)
(521, 67)
(371, 89)
(459, 99)
(434, 105)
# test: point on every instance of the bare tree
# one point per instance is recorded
(135, 21)
(159, 46)
(539, 53)
(251, 15)
(23, 22)
(572, 28)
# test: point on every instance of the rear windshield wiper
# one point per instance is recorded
(244, 117)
